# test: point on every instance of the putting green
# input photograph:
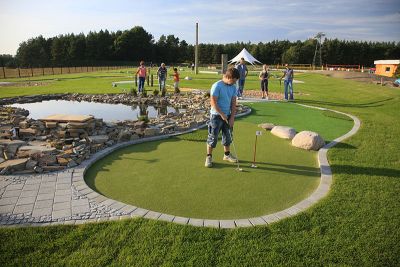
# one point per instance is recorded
(169, 176)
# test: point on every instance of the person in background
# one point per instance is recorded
(264, 76)
(288, 82)
(222, 114)
(141, 72)
(162, 77)
(243, 71)
(176, 81)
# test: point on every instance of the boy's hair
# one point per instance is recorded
(175, 69)
(232, 73)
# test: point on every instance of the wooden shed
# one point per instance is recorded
(386, 67)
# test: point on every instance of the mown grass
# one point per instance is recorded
(162, 175)
(357, 224)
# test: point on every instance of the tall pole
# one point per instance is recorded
(196, 51)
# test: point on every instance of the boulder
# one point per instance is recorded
(124, 135)
(98, 139)
(308, 140)
(12, 145)
(14, 164)
(37, 149)
(267, 126)
(284, 132)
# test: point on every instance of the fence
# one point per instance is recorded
(32, 72)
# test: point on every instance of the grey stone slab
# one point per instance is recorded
(63, 192)
(166, 217)
(92, 195)
(26, 200)
(196, 222)
(44, 204)
(28, 194)
(80, 209)
(85, 190)
(59, 199)
(31, 187)
(15, 186)
(62, 206)
(7, 209)
(243, 223)
(99, 199)
(49, 179)
(69, 222)
(108, 202)
(124, 217)
(292, 210)
(79, 202)
(270, 218)
(47, 190)
(48, 184)
(211, 223)
(139, 212)
(58, 214)
(181, 220)
(227, 224)
(23, 209)
(45, 196)
(63, 186)
(152, 215)
(13, 193)
(64, 181)
(102, 219)
(257, 221)
(282, 214)
(117, 205)
(64, 175)
(128, 209)
(41, 212)
(8, 201)
(4, 184)
(33, 181)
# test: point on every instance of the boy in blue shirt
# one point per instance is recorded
(222, 114)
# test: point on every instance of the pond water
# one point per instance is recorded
(108, 112)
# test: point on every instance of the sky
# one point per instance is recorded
(220, 21)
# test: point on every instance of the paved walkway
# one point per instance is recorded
(64, 197)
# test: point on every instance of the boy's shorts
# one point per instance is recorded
(215, 125)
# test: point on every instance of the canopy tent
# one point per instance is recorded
(247, 57)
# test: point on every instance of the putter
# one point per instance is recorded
(253, 165)
(234, 148)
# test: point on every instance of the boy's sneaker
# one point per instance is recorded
(208, 162)
(230, 158)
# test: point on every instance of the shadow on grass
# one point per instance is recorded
(370, 171)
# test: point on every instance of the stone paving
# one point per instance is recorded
(65, 198)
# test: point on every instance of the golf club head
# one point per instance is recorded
(239, 169)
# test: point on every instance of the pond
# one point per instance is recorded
(108, 112)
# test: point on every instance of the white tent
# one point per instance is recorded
(247, 57)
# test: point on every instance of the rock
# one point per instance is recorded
(14, 164)
(77, 125)
(38, 169)
(62, 161)
(152, 131)
(28, 132)
(53, 168)
(51, 124)
(44, 160)
(124, 135)
(283, 132)
(37, 149)
(134, 137)
(12, 145)
(267, 126)
(24, 124)
(2, 160)
(30, 164)
(98, 139)
(308, 140)
(72, 163)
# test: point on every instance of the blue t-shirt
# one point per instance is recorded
(224, 93)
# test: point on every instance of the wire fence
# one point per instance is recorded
(6, 73)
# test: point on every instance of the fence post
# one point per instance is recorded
(19, 73)
(61, 69)
(42, 71)
(4, 73)
(135, 80)
(31, 71)
(152, 80)
(148, 80)
(52, 70)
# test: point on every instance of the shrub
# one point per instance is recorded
(156, 92)
(134, 91)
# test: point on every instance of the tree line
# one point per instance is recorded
(130, 46)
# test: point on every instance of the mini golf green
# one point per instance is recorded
(169, 176)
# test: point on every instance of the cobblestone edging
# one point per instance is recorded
(65, 198)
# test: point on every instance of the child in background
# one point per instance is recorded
(141, 71)
(176, 81)
(264, 75)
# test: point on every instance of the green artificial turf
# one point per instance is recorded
(169, 176)
(357, 224)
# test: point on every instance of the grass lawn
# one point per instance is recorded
(357, 224)
(285, 175)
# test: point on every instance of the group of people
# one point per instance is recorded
(162, 72)
(264, 76)
(223, 97)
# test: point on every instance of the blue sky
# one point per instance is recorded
(219, 21)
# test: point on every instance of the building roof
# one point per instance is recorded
(387, 62)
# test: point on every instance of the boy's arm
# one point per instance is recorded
(233, 111)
